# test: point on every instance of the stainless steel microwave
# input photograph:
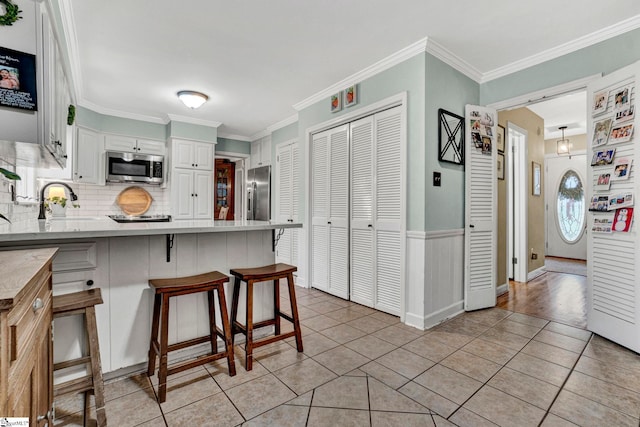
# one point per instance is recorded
(130, 167)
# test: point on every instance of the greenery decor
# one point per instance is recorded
(71, 115)
(10, 175)
(12, 13)
(57, 200)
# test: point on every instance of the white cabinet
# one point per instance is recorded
(192, 154)
(87, 167)
(133, 145)
(261, 152)
(288, 181)
(192, 194)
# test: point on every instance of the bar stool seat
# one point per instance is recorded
(273, 272)
(83, 303)
(164, 290)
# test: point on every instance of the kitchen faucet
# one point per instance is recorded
(72, 195)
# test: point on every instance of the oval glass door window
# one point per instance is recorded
(571, 207)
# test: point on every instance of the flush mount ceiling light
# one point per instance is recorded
(192, 99)
(563, 146)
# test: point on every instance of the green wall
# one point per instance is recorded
(233, 146)
(284, 134)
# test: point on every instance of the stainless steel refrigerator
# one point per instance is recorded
(259, 193)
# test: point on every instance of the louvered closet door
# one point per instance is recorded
(480, 209)
(362, 237)
(388, 210)
(613, 292)
(296, 178)
(339, 212)
(320, 211)
(284, 206)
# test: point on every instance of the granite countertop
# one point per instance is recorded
(17, 268)
(91, 227)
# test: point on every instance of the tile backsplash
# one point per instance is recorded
(97, 200)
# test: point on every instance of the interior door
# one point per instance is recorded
(283, 197)
(480, 208)
(566, 216)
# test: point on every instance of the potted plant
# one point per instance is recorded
(56, 205)
(12, 176)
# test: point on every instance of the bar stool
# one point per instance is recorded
(164, 290)
(273, 272)
(84, 303)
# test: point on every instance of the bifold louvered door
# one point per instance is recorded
(288, 194)
(613, 254)
(480, 208)
(330, 209)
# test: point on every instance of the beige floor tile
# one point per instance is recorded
(452, 339)
(304, 400)
(132, 409)
(585, 412)
(387, 318)
(461, 325)
(525, 387)
(303, 312)
(405, 363)
(259, 395)
(304, 376)
(552, 420)
(551, 353)
(471, 365)
(611, 395)
(70, 406)
(487, 316)
(358, 307)
(220, 374)
(386, 419)
(156, 422)
(343, 392)
(323, 417)
(429, 399)
(505, 339)
(384, 398)
(396, 335)
(619, 375)
(319, 323)
(442, 422)
(316, 344)
(569, 331)
(279, 357)
(123, 386)
(490, 351)
(466, 418)
(368, 324)
(538, 368)
(343, 333)
(186, 389)
(370, 346)
(384, 374)
(517, 328)
(341, 360)
(216, 410)
(346, 314)
(510, 411)
(356, 373)
(282, 416)
(528, 320)
(562, 341)
(429, 348)
(448, 383)
(324, 307)
(603, 349)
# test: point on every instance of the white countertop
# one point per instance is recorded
(88, 227)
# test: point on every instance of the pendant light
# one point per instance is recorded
(192, 99)
(563, 146)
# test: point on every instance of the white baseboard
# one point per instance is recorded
(502, 289)
(535, 273)
(436, 318)
(414, 320)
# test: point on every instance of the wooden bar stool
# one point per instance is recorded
(273, 272)
(83, 303)
(167, 288)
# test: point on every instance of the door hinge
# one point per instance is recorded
(514, 260)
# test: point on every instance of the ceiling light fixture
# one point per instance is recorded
(563, 146)
(192, 99)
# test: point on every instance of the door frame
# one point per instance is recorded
(234, 157)
(517, 236)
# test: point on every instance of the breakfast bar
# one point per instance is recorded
(120, 258)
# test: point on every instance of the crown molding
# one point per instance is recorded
(282, 123)
(259, 135)
(454, 61)
(402, 55)
(122, 114)
(232, 136)
(565, 48)
(194, 121)
(71, 39)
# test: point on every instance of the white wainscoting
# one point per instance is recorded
(435, 272)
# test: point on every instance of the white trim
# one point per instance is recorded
(544, 94)
(454, 61)
(565, 48)
(232, 136)
(555, 155)
(444, 233)
(394, 59)
(536, 273)
(71, 38)
(231, 154)
(521, 184)
(502, 289)
(282, 123)
(446, 313)
(194, 121)
(418, 235)
(122, 114)
(258, 135)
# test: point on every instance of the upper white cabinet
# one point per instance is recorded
(133, 145)
(192, 154)
(87, 167)
(261, 152)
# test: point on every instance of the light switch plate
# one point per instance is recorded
(437, 179)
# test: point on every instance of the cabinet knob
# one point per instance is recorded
(65, 156)
(196, 194)
(80, 177)
(196, 165)
(43, 417)
(192, 195)
(328, 222)
(89, 282)
(37, 304)
(193, 164)
(370, 226)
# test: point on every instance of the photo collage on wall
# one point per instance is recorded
(481, 125)
(612, 125)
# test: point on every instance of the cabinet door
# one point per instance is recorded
(339, 212)
(319, 211)
(43, 392)
(256, 154)
(120, 143)
(265, 151)
(182, 194)
(203, 156)
(87, 154)
(203, 199)
(150, 147)
(182, 154)
(284, 187)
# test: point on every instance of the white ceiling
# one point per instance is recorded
(256, 59)
(569, 110)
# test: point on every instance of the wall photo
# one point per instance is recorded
(18, 80)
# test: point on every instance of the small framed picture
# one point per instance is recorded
(604, 181)
(600, 102)
(601, 158)
(536, 182)
(500, 139)
(625, 115)
(486, 145)
(601, 131)
(351, 96)
(500, 166)
(336, 102)
(622, 98)
(621, 133)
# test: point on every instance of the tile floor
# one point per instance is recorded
(364, 368)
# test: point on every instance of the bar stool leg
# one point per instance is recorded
(234, 309)
(164, 342)
(249, 326)
(276, 304)
(212, 322)
(154, 335)
(294, 312)
(96, 366)
(226, 328)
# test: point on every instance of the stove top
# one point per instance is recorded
(141, 218)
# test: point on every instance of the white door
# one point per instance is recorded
(566, 207)
(613, 297)
(320, 211)
(182, 194)
(284, 197)
(203, 195)
(480, 208)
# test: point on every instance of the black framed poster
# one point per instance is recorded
(18, 80)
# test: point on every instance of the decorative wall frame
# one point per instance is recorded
(500, 165)
(450, 137)
(336, 102)
(536, 185)
(351, 96)
(500, 140)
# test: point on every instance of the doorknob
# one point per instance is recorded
(471, 226)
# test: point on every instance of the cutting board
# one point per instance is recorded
(134, 201)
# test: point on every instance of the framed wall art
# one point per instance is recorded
(18, 80)
(450, 137)
(500, 139)
(351, 96)
(336, 102)
(500, 166)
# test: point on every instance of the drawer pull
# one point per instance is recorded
(89, 282)
(37, 304)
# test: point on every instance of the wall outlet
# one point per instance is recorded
(534, 255)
